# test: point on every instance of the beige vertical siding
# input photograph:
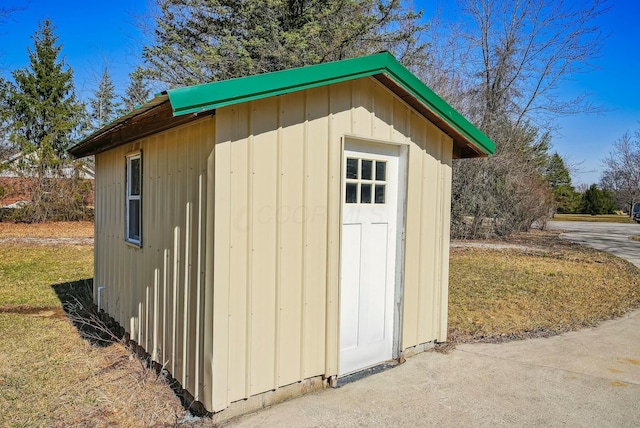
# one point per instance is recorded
(427, 235)
(446, 177)
(157, 291)
(236, 286)
(277, 232)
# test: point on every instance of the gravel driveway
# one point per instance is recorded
(610, 237)
(47, 241)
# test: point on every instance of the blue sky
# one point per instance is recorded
(93, 33)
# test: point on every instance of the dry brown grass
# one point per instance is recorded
(609, 218)
(49, 376)
(503, 294)
(74, 229)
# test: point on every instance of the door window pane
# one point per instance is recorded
(367, 169)
(366, 181)
(365, 193)
(351, 193)
(380, 191)
(381, 171)
(352, 168)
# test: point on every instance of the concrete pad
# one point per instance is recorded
(586, 378)
(610, 351)
(610, 237)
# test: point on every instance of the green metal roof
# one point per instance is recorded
(195, 99)
(184, 104)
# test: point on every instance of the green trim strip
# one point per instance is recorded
(196, 99)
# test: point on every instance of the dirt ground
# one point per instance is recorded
(49, 233)
(77, 229)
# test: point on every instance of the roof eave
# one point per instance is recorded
(90, 145)
(464, 145)
(153, 117)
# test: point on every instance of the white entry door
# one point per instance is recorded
(368, 255)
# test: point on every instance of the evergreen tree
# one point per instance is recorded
(43, 118)
(557, 175)
(506, 192)
(198, 41)
(103, 104)
(596, 201)
(137, 93)
(42, 103)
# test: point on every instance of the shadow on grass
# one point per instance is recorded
(94, 326)
(99, 329)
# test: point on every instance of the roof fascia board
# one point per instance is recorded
(194, 99)
(241, 98)
(441, 108)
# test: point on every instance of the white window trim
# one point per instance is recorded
(129, 197)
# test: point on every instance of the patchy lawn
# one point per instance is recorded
(49, 376)
(552, 287)
(613, 218)
(27, 272)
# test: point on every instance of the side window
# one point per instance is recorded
(133, 232)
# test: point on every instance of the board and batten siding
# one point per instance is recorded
(276, 233)
(157, 291)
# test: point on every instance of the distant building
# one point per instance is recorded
(15, 186)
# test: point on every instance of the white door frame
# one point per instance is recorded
(398, 300)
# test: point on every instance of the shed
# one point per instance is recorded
(279, 230)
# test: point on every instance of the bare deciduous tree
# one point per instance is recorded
(6, 12)
(520, 51)
(501, 64)
(622, 170)
(5, 147)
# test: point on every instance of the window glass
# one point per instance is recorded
(367, 167)
(366, 181)
(365, 193)
(381, 171)
(352, 168)
(135, 176)
(134, 220)
(351, 194)
(380, 193)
